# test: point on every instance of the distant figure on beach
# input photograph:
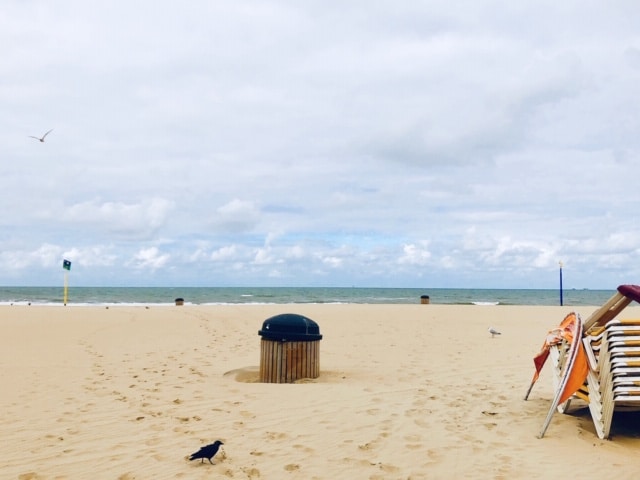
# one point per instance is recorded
(41, 139)
(207, 452)
(493, 332)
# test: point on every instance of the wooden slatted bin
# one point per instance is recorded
(289, 349)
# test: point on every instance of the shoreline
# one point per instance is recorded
(479, 304)
(405, 391)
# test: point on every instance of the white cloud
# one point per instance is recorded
(43, 256)
(92, 257)
(333, 262)
(236, 216)
(264, 256)
(150, 259)
(135, 220)
(226, 253)
(415, 254)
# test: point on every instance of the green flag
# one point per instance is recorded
(66, 264)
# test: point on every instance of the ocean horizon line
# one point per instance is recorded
(306, 286)
(158, 296)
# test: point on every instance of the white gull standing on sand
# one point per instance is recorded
(493, 332)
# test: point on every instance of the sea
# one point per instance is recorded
(132, 296)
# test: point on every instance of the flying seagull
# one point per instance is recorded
(493, 332)
(42, 137)
(207, 452)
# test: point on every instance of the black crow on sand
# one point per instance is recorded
(207, 452)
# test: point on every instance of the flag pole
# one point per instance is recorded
(66, 286)
(66, 265)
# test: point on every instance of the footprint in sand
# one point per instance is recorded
(413, 442)
(304, 448)
(389, 468)
(422, 423)
(360, 463)
(292, 467)
(251, 472)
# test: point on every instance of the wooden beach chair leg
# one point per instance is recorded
(623, 297)
(608, 311)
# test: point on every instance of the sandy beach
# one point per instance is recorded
(405, 392)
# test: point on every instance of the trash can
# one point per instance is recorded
(289, 349)
(179, 301)
(424, 299)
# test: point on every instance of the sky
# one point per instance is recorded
(473, 144)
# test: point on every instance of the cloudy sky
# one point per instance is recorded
(320, 143)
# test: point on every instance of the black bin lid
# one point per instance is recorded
(290, 327)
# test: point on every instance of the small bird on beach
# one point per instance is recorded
(493, 332)
(41, 139)
(207, 452)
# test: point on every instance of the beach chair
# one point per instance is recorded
(613, 379)
(579, 371)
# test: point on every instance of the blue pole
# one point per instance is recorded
(561, 299)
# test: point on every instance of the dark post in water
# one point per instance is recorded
(561, 299)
